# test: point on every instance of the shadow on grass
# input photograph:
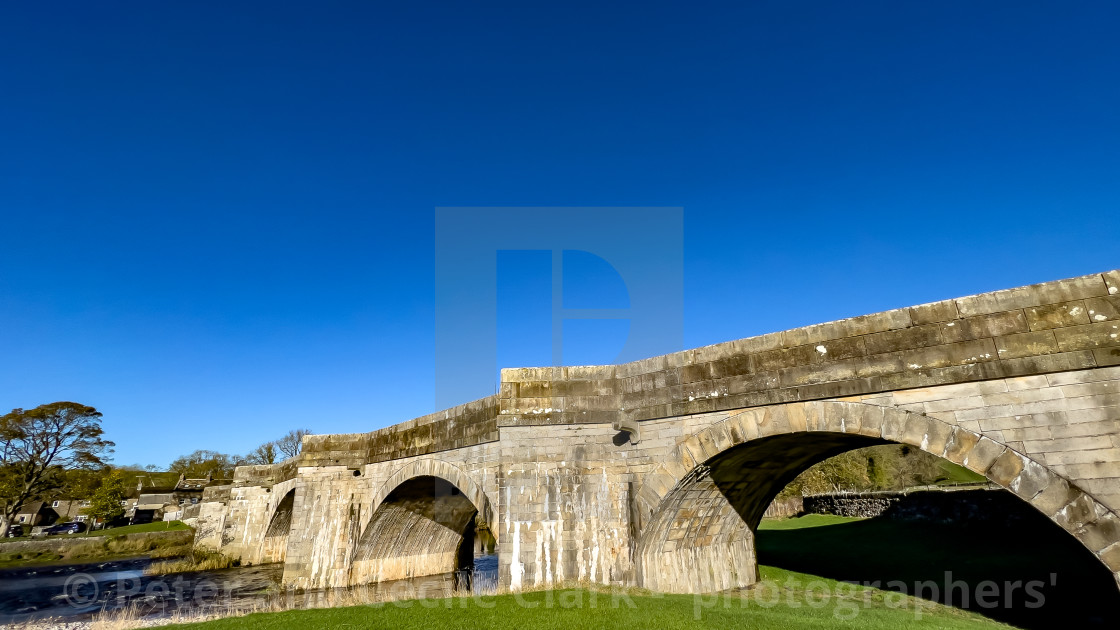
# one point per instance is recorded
(1074, 589)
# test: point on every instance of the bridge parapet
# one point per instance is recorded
(266, 475)
(1038, 329)
(469, 424)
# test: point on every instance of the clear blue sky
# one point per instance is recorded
(217, 220)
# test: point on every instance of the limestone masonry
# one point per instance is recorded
(657, 472)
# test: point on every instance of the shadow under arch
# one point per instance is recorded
(697, 511)
(274, 545)
(422, 524)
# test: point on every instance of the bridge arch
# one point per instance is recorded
(697, 510)
(273, 545)
(421, 523)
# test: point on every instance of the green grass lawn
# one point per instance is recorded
(776, 606)
(161, 526)
(955, 474)
(805, 522)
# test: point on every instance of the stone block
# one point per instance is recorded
(1106, 356)
(1089, 336)
(871, 421)
(1111, 558)
(837, 389)
(749, 382)
(952, 354)
(997, 301)
(943, 311)
(1070, 289)
(983, 455)
(1112, 281)
(959, 445)
(894, 424)
(1048, 363)
(1103, 308)
(1026, 344)
(1054, 496)
(731, 366)
(773, 360)
(837, 417)
(984, 326)
(1057, 315)
(915, 429)
(903, 339)
(1070, 444)
(1101, 533)
(1077, 513)
(1032, 480)
(1006, 468)
(761, 343)
(936, 437)
(852, 327)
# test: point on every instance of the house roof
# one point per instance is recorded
(156, 497)
(33, 508)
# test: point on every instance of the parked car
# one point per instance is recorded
(15, 531)
(64, 528)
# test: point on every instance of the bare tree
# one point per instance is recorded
(37, 448)
(292, 443)
(264, 454)
(201, 463)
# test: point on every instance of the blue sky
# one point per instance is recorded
(217, 221)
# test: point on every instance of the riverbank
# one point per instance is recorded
(783, 600)
(83, 549)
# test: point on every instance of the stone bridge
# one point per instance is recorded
(656, 473)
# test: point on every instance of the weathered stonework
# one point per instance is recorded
(1021, 385)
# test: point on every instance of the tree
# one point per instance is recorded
(106, 502)
(203, 463)
(38, 446)
(292, 443)
(264, 454)
(82, 482)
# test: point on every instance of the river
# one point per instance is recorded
(78, 592)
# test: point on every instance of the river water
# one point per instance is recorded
(78, 592)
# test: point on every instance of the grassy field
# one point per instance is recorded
(1077, 588)
(787, 600)
(110, 544)
(162, 526)
(169, 526)
(955, 474)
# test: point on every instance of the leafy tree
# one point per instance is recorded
(292, 443)
(201, 463)
(264, 454)
(81, 483)
(39, 445)
(105, 502)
